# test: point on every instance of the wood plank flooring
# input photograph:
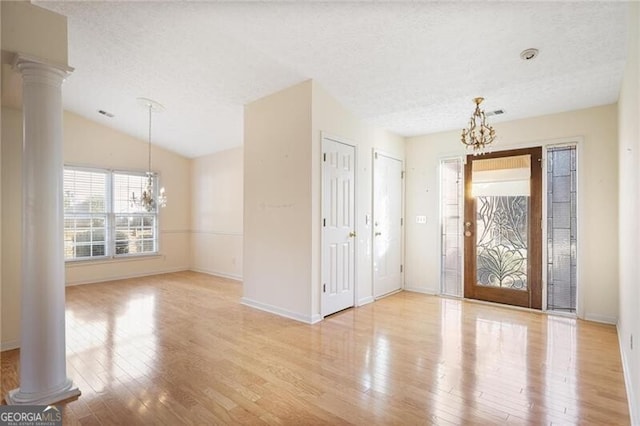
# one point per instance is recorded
(180, 349)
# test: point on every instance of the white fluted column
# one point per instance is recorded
(43, 372)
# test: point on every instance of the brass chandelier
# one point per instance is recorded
(479, 134)
(149, 199)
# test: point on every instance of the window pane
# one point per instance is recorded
(84, 236)
(132, 236)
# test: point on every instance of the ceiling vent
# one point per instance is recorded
(496, 112)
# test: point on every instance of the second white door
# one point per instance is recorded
(387, 224)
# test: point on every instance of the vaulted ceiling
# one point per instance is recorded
(411, 68)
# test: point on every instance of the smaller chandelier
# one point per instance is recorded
(147, 200)
(479, 134)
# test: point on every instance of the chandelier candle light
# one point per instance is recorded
(147, 200)
(479, 134)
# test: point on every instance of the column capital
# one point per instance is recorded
(24, 63)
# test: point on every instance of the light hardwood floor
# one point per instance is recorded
(180, 349)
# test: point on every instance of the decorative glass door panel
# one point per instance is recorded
(501, 241)
(502, 228)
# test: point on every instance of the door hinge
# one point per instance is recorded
(324, 288)
(401, 268)
(324, 156)
(402, 175)
(324, 222)
(401, 221)
(375, 155)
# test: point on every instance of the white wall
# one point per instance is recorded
(629, 157)
(87, 143)
(277, 203)
(216, 213)
(597, 193)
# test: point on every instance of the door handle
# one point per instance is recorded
(378, 233)
(467, 224)
(352, 234)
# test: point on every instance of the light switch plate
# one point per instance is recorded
(421, 219)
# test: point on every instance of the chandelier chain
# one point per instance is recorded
(150, 114)
(150, 198)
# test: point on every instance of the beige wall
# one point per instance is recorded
(87, 143)
(11, 226)
(629, 157)
(331, 117)
(277, 203)
(283, 147)
(216, 213)
(596, 129)
(35, 31)
(90, 144)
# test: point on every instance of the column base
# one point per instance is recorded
(67, 391)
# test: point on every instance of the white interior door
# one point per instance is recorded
(387, 224)
(338, 231)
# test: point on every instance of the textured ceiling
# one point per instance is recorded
(411, 68)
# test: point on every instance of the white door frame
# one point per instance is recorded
(402, 214)
(334, 138)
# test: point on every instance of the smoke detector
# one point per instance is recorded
(528, 54)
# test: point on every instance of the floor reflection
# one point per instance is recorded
(181, 348)
(110, 345)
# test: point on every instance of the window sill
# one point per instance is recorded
(106, 260)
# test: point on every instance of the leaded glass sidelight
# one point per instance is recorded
(451, 206)
(561, 228)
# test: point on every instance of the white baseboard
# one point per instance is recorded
(422, 290)
(365, 300)
(316, 318)
(308, 319)
(127, 276)
(9, 345)
(605, 319)
(218, 274)
(628, 383)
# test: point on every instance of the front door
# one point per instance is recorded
(503, 227)
(338, 226)
(387, 224)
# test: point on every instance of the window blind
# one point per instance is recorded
(85, 213)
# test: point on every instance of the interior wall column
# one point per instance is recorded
(43, 372)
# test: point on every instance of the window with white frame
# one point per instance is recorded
(100, 220)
